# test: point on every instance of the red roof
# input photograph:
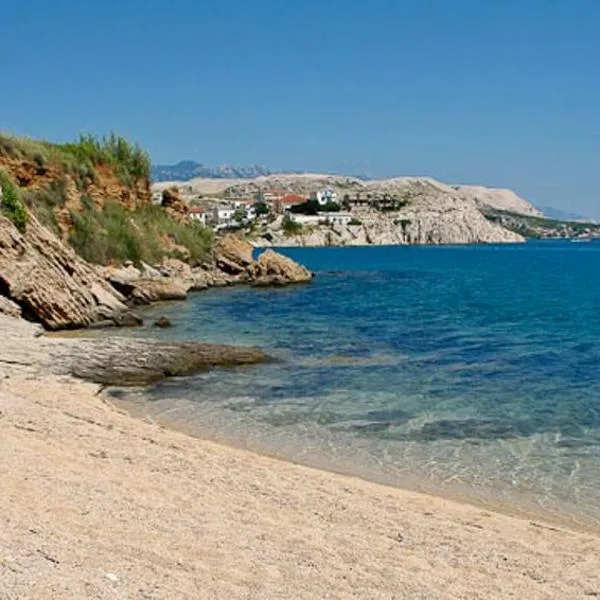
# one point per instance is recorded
(293, 199)
(196, 210)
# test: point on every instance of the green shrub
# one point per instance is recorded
(114, 235)
(291, 227)
(312, 207)
(44, 202)
(11, 204)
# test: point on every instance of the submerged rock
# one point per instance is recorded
(126, 362)
(162, 322)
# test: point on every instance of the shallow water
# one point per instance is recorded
(443, 368)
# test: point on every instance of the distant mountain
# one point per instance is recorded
(561, 215)
(188, 169)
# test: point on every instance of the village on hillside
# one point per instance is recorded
(322, 206)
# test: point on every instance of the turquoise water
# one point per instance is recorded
(469, 369)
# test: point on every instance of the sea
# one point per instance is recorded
(466, 371)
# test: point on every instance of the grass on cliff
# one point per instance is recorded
(115, 235)
(81, 158)
(44, 202)
(11, 203)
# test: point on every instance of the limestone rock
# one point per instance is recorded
(273, 268)
(50, 283)
(173, 204)
(9, 308)
(233, 254)
(146, 291)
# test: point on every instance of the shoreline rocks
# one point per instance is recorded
(43, 280)
(114, 361)
(50, 283)
(139, 362)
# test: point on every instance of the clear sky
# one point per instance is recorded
(496, 92)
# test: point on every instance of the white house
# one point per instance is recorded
(325, 196)
(199, 214)
(337, 218)
(223, 214)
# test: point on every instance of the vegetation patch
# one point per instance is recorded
(291, 227)
(539, 227)
(312, 207)
(115, 234)
(44, 202)
(11, 203)
(81, 158)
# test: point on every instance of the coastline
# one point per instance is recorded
(97, 503)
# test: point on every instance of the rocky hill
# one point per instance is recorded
(189, 169)
(432, 212)
(497, 198)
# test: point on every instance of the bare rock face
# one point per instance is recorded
(173, 204)
(233, 254)
(9, 308)
(273, 268)
(49, 282)
(146, 291)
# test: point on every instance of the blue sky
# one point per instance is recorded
(502, 93)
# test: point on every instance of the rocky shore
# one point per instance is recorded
(45, 281)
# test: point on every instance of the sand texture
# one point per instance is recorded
(97, 504)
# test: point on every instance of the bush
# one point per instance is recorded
(11, 203)
(44, 202)
(291, 227)
(114, 235)
(80, 158)
(261, 209)
(354, 221)
(312, 207)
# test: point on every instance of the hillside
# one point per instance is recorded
(189, 169)
(64, 206)
(500, 199)
(429, 211)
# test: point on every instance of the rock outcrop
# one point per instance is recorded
(129, 362)
(173, 204)
(232, 263)
(49, 282)
(234, 255)
(9, 308)
(273, 268)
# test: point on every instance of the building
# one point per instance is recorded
(325, 196)
(223, 214)
(337, 218)
(271, 196)
(198, 214)
(288, 201)
(323, 218)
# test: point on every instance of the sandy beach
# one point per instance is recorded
(97, 504)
